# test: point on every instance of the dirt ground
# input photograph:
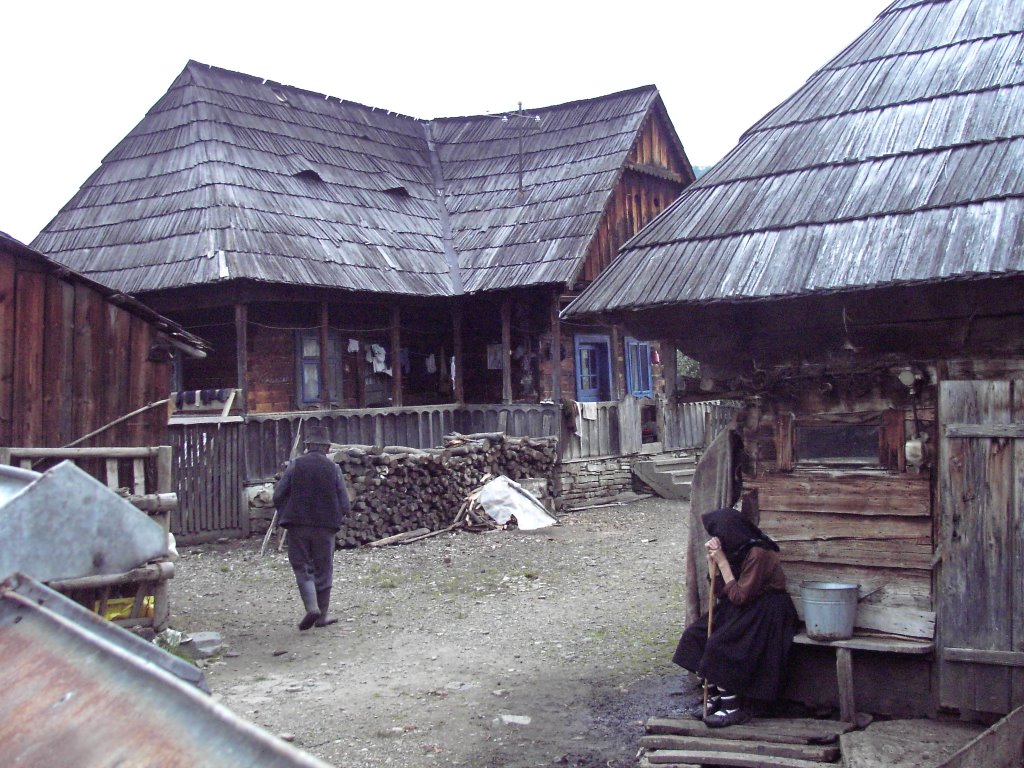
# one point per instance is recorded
(505, 648)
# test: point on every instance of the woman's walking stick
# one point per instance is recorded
(712, 572)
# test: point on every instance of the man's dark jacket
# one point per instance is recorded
(311, 492)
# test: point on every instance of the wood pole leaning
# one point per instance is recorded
(712, 573)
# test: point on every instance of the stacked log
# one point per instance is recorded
(395, 489)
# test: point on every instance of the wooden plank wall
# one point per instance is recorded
(71, 362)
(868, 528)
(694, 425)
(593, 437)
(638, 197)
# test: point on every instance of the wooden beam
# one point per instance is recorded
(985, 430)
(506, 350)
(556, 349)
(396, 356)
(975, 656)
(242, 354)
(460, 392)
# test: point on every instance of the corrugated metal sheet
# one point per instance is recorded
(76, 693)
(899, 161)
(233, 177)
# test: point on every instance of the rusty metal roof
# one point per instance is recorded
(78, 694)
(899, 161)
(232, 177)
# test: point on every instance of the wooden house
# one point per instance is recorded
(392, 277)
(76, 357)
(340, 256)
(854, 272)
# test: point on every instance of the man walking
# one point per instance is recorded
(311, 501)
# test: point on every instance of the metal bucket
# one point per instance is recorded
(830, 609)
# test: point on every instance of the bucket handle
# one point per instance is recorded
(866, 595)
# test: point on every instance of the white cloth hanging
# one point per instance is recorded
(376, 356)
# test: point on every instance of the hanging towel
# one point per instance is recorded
(377, 356)
(588, 411)
(431, 364)
(353, 345)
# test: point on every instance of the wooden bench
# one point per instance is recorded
(148, 583)
(844, 661)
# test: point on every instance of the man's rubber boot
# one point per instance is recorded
(323, 601)
(308, 593)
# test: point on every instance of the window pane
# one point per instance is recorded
(310, 346)
(310, 382)
(588, 375)
(840, 443)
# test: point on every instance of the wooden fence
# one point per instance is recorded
(214, 461)
(269, 439)
(209, 471)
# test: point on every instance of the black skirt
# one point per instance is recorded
(748, 647)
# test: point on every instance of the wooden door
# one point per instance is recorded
(981, 578)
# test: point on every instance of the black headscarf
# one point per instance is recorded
(737, 534)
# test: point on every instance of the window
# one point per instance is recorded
(638, 368)
(593, 369)
(849, 444)
(307, 378)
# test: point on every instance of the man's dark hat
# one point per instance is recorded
(317, 436)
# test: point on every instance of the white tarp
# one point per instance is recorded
(502, 499)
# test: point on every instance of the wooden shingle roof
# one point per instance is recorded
(231, 177)
(898, 162)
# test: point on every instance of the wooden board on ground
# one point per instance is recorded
(788, 731)
(827, 753)
(1001, 746)
(905, 743)
(699, 757)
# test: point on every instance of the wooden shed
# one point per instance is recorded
(854, 272)
(77, 356)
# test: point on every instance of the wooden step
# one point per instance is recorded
(776, 731)
(667, 744)
(687, 757)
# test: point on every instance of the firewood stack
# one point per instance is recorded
(396, 489)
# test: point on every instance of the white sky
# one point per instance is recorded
(77, 76)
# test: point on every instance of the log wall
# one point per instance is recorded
(870, 525)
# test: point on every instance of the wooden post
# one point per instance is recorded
(668, 367)
(506, 350)
(396, 356)
(844, 678)
(325, 365)
(460, 392)
(242, 353)
(556, 349)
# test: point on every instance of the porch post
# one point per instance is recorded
(325, 390)
(242, 354)
(556, 349)
(506, 350)
(668, 367)
(396, 356)
(460, 392)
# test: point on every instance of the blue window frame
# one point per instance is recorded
(639, 381)
(593, 368)
(307, 374)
